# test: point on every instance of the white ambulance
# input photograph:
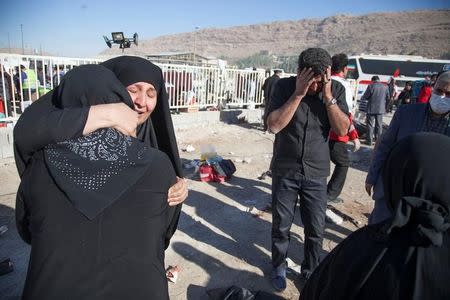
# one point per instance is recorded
(402, 67)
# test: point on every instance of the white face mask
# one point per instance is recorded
(440, 104)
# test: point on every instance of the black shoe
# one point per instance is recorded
(278, 279)
(263, 175)
(279, 283)
(6, 267)
(336, 200)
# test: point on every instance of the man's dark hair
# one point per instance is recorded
(409, 83)
(317, 59)
(276, 71)
(375, 78)
(340, 61)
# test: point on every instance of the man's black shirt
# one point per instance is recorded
(302, 146)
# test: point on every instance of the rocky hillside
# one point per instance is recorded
(425, 33)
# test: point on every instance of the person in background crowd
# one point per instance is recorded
(406, 256)
(267, 87)
(30, 84)
(58, 75)
(406, 95)
(408, 119)
(433, 79)
(19, 78)
(425, 92)
(6, 91)
(377, 95)
(40, 75)
(393, 94)
(338, 144)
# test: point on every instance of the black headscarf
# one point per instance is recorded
(417, 187)
(407, 256)
(95, 170)
(158, 130)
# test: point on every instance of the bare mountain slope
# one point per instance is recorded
(425, 33)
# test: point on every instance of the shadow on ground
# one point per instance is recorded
(11, 246)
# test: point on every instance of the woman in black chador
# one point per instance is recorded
(408, 255)
(94, 208)
(44, 123)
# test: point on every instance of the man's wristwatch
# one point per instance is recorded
(331, 102)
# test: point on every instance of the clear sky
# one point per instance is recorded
(75, 27)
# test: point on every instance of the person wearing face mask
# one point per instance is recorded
(303, 110)
(408, 119)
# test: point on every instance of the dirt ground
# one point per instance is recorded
(218, 242)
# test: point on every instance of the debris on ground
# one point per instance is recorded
(211, 166)
(344, 216)
(172, 273)
(255, 212)
(188, 148)
(247, 160)
(265, 174)
(333, 218)
(192, 164)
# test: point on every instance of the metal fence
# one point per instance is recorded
(24, 78)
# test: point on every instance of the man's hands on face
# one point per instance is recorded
(305, 78)
(326, 89)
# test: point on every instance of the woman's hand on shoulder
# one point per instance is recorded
(112, 115)
(125, 119)
(178, 192)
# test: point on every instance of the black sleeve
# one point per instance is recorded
(42, 124)
(338, 91)
(278, 96)
(174, 212)
(174, 217)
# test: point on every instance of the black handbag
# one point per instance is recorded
(228, 167)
